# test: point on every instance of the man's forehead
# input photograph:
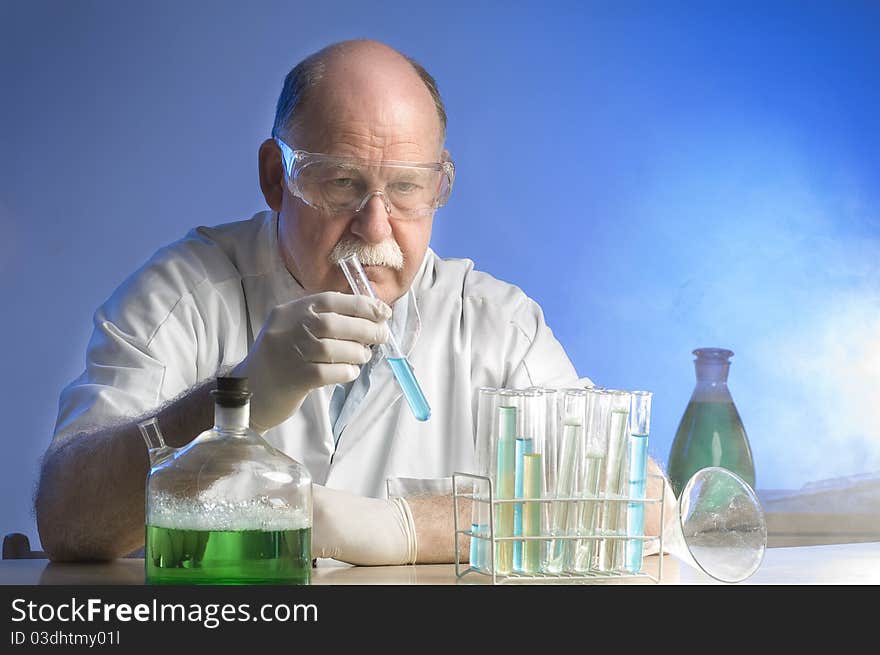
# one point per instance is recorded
(405, 136)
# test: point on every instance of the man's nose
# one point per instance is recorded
(371, 222)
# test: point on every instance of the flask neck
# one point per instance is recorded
(712, 372)
(711, 384)
(232, 419)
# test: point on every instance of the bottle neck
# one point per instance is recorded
(712, 372)
(711, 384)
(232, 419)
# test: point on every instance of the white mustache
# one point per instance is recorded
(387, 253)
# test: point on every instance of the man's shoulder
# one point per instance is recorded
(205, 259)
(208, 253)
(242, 243)
(476, 286)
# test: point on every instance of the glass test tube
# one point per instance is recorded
(564, 513)
(487, 415)
(504, 486)
(551, 448)
(529, 440)
(531, 526)
(597, 405)
(400, 366)
(640, 424)
(611, 551)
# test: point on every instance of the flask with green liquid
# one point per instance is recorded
(227, 508)
(711, 432)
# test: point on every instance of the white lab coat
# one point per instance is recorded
(198, 304)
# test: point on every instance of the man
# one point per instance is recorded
(356, 164)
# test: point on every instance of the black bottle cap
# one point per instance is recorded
(231, 392)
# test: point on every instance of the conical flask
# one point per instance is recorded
(719, 526)
(711, 432)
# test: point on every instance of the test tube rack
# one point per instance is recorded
(492, 540)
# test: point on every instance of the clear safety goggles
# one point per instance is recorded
(338, 185)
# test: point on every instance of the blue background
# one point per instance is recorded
(658, 176)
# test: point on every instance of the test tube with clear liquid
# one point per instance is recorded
(400, 366)
(613, 522)
(597, 406)
(563, 513)
(640, 424)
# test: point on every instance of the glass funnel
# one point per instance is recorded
(719, 528)
(710, 432)
(227, 508)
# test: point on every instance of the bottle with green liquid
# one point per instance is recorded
(226, 508)
(711, 432)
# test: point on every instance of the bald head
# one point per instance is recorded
(360, 74)
(354, 100)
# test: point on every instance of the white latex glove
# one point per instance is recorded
(360, 530)
(308, 343)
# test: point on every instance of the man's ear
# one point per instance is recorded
(271, 174)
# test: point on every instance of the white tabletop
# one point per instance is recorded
(838, 564)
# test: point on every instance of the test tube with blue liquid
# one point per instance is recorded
(487, 421)
(640, 422)
(400, 366)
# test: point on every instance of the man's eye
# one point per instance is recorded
(342, 182)
(405, 187)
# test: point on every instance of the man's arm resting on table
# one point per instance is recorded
(375, 532)
(434, 523)
(417, 529)
(90, 498)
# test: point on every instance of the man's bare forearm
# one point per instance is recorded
(435, 528)
(90, 499)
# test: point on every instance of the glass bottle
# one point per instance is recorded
(227, 508)
(711, 432)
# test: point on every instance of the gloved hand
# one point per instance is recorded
(360, 530)
(308, 343)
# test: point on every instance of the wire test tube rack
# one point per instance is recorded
(492, 540)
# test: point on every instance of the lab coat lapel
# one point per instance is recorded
(273, 286)
(264, 292)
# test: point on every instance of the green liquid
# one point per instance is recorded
(710, 434)
(504, 513)
(533, 474)
(228, 557)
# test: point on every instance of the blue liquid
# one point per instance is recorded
(635, 516)
(478, 558)
(410, 386)
(523, 447)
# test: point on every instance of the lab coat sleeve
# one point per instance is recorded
(156, 336)
(536, 357)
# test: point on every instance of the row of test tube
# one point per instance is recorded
(577, 458)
